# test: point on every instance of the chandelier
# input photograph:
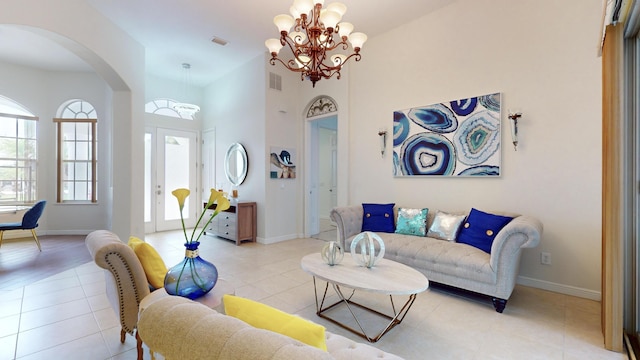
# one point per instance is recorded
(312, 34)
(183, 108)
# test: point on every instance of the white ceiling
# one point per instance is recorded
(174, 32)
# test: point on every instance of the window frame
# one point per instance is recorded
(93, 161)
(17, 158)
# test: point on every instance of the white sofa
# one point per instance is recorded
(450, 263)
(179, 328)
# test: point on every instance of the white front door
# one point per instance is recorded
(172, 164)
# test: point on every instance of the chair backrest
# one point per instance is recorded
(30, 218)
(124, 276)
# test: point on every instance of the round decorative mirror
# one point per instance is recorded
(236, 164)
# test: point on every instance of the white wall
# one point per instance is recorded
(283, 126)
(241, 108)
(234, 106)
(541, 55)
(117, 59)
(42, 93)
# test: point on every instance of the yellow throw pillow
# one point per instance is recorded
(265, 317)
(152, 263)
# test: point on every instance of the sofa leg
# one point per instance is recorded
(499, 304)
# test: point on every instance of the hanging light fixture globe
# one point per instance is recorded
(183, 108)
(313, 33)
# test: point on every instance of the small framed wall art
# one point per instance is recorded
(282, 163)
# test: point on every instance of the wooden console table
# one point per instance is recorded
(237, 223)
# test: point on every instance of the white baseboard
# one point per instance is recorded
(21, 234)
(65, 232)
(560, 288)
(277, 239)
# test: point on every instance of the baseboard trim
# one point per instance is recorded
(65, 232)
(276, 239)
(560, 288)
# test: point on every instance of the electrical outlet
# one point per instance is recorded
(545, 258)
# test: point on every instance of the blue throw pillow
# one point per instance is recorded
(378, 217)
(412, 221)
(481, 228)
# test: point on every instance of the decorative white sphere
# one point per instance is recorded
(367, 255)
(332, 253)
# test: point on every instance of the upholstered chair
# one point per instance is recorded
(125, 279)
(29, 222)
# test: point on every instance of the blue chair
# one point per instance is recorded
(29, 222)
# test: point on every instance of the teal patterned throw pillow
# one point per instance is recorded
(412, 221)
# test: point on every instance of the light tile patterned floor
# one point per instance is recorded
(67, 316)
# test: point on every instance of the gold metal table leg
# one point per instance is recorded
(394, 320)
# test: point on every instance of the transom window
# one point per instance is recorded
(165, 107)
(77, 152)
(18, 153)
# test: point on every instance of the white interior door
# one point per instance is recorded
(322, 169)
(334, 171)
(312, 226)
(175, 166)
(327, 161)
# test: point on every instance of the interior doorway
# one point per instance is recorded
(323, 177)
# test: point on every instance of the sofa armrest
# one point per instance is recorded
(348, 220)
(521, 232)
(179, 328)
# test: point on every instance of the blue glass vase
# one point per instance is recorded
(193, 276)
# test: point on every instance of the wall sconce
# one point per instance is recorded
(383, 140)
(513, 117)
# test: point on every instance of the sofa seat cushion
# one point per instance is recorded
(432, 255)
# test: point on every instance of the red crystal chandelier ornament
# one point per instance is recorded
(315, 36)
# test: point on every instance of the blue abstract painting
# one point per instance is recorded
(455, 138)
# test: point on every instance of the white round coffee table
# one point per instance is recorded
(386, 277)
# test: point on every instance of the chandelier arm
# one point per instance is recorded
(355, 56)
(344, 45)
(272, 61)
(295, 50)
(329, 72)
(285, 40)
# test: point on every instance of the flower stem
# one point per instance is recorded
(180, 276)
(194, 274)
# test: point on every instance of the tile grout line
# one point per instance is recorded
(93, 313)
(15, 348)
(66, 342)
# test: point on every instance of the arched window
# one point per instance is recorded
(18, 153)
(322, 105)
(165, 107)
(77, 145)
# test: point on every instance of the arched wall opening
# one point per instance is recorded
(119, 61)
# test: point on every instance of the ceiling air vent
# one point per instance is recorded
(219, 41)
(275, 81)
